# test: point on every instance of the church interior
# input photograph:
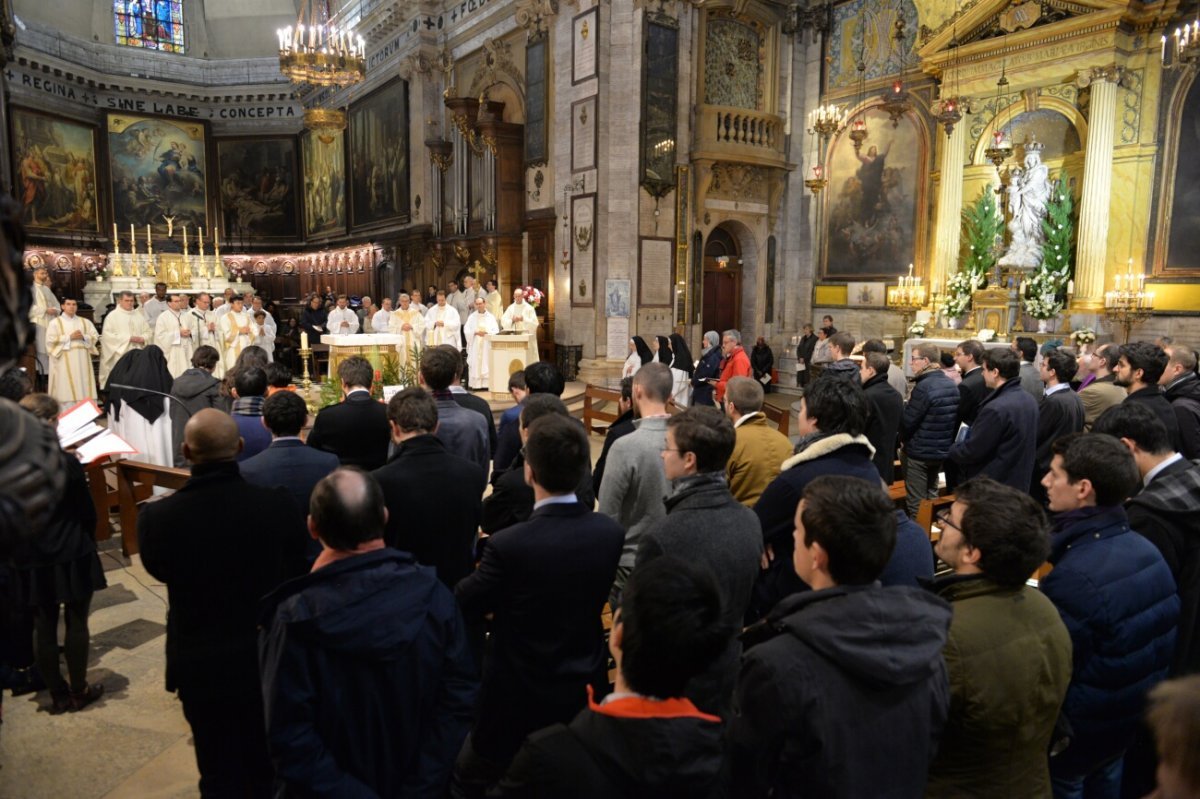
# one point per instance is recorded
(917, 169)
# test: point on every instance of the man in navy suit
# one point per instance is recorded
(545, 582)
(356, 430)
(287, 462)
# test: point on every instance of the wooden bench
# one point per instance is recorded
(928, 510)
(104, 499)
(593, 397)
(780, 417)
(135, 484)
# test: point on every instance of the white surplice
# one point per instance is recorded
(119, 326)
(342, 322)
(412, 337)
(233, 341)
(71, 375)
(448, 333)
(169, 337)
(40, 314)
(479, 347)
(523, 319)
(210, 338)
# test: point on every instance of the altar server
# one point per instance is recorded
(238, 331)
(71, 341)
(125, 329)
(175, 333)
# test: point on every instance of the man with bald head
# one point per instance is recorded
(215, 574)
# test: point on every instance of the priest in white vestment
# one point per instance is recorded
(42, 312)
(238, 331)
(125, 329)
(521, 317)
(342, 321)
(381, 320)
(442, 324)
(480, 326)
(495, 302)
(206, 326)
(270, 329)
(416, 302)
(71, 341)
(156, 304)
(175, 334)
(409, 322)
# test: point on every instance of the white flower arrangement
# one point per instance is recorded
(959, 289)
(1084, 335)
(1041, 296)
(917, 329)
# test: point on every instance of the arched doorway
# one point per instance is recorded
(722, 297)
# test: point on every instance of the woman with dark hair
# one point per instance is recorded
(639, 356)
(681, 369)
(314, 319)
(137, 404)
(708, 370)
(761, 361)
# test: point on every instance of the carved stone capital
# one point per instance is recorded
(1109, 74)
(534, 16)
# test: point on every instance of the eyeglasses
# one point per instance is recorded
(942, 517)
(918, 358)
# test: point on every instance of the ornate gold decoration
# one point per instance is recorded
(489, 255)
(582, 287)
(462, 252)
(583, 237)
(325, 123)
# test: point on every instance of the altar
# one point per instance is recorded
(371, 346)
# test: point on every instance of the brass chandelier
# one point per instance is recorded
(317, 53)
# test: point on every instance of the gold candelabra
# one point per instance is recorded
(1129, 303)
(907, 298)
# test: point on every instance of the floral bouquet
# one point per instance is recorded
(1041, 297)
(532, 296)
(917, 329)
(1083, 336)
(959, 289)
(95, 269)
(238, 272)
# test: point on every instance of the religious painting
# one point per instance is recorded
(258, 188)
(324, 160)
(379, 156)
(54, 173)
(1181, 208)
(152, 24)
(158, 168)
(616, 298)
(866, 29)
(872, 199)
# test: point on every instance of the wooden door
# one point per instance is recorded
(722, 300)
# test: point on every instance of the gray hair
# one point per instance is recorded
(733, 334)
(403, 296)
(366, 300)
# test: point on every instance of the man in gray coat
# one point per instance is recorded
(706, 525)
(634, 481)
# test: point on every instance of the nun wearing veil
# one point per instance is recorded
(137, 407)
(682, 369)
(639, 356)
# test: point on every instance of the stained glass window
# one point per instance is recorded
(153, 24)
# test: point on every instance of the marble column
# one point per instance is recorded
(949, 216)
(1092, 248)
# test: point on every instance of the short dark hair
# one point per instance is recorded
(538, 405)
(1007, 526)
(627, 388)
(854, 523)
(557, 453)
(1103, 460)
(206, 358)
(343, 518)
(15, 384)
(284, 413)
(278, 375)
(672, 625)
(705, 432)
(544, 378)
(973, 348)
(356, 371)
(1150, 358)
(1004, 361)
(656, 380)
(517, 380)
(874, 345)
(1139, 424)
(1063, 364)
(843, 341)
(1111, 353)
(946, 358)
(838, 405)
(251, 382)
(1027, 347)
(413, 410)
(877, 361)
(439, 365)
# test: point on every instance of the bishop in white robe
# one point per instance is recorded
(521, 317)
(42, 311)
(442, 324)
(409, 322)
(175, 334)
(480, 327)
(238, 332)
(125, 329)
(70, 344)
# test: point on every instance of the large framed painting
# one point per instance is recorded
(1177, 243)
(54, 173)
(873, 198)
(379, 156)
(258, 188)
(158, 167)
(324, 160)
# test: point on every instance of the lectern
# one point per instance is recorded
(509, 353)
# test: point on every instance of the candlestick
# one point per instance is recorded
(303, 340)
(200, 241)
(1070, 286)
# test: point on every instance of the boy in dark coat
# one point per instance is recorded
(645, 739)
(705, 524)
(1001, 442)
(843, 691)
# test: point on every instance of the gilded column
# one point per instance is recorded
(1092, 249)
(949, 220)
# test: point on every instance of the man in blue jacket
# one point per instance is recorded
(1117, 598)
(1002, 440)
(367, 680)
(928, 425)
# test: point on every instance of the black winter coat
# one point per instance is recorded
(930, 419)
(761, 360)
(1184, 396)
(971, 393)
(883, 423)
(511, 500)
(804, 352)
(622, 426)
(368, 683)
(1059, 414)
(845, 697)
(709, 366)
(1003, 440)
(1153, 398)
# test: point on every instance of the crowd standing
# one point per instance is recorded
(410, 599)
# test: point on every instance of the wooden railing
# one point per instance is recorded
(724, 132)
(135, 484)
(593, 396)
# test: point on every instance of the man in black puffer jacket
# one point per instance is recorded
(645, 740)
(928, 426)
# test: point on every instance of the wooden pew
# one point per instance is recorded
(593, 397)
(781, 417)
(134, 483)
(103, 499)
(928, 509)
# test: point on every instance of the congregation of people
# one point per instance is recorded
(412, 600)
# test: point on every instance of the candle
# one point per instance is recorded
(303, 340)
(116, 241)
(1070, 286)
(1118, 281)
(147, 236)
(185, 237)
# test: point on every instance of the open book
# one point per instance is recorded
(77, 428)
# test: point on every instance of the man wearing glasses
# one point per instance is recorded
(1008, 653)
(928, 425)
